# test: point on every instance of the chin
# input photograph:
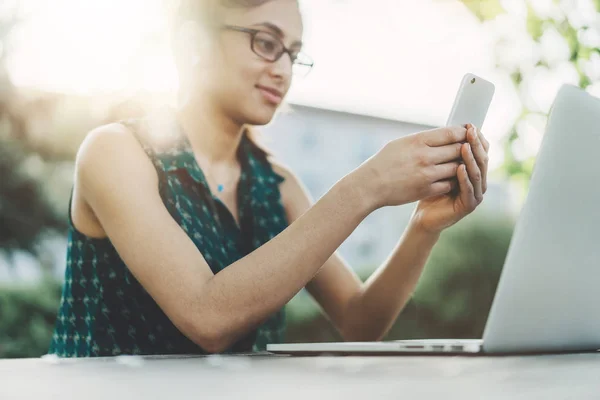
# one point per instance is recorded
(260, 116)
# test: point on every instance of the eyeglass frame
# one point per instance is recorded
(284, 50)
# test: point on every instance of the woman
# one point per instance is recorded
(186, 237)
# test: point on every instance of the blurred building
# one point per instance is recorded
(321, 146)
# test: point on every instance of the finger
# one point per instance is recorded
(453, 184)
(442, 187)
(473, 172)
(444, 171)
(444, 136)
(481, 156)
(444, 154)
(467, 192)
(484, 141)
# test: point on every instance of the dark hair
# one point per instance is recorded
(207, 13)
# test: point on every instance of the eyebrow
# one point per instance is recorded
(277, 30)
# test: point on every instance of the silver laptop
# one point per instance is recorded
(549, 290)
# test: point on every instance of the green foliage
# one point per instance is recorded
(454, 294)
(459, 283)
(484, 9)
(517, 169)
(535, 26)
(24, 211)
(27, 315)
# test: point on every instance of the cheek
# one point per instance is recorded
(235, 77)
(242, 79)
(233, 88)
(235, 82)
(240, 66)
(248, 72)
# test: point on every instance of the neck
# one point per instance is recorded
(214, 137)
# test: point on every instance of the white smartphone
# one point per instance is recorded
(472, 101)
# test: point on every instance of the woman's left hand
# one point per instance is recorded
(435, 214)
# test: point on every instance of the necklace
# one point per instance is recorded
(222, 185)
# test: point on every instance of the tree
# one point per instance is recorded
(562, 45)
(24, 213)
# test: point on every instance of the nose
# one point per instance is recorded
(282, 68)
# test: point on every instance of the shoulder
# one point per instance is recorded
(294, 195)
(108, 137)
(110, 150)
(291, 181)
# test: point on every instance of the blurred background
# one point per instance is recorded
(384, 69)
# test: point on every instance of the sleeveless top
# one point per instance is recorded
(105, 311)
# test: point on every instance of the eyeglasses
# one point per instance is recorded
(270, 48)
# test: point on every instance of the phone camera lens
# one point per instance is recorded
(473, 80)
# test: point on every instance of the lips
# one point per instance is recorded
(270, 94)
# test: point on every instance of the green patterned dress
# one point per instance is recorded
(104, 310)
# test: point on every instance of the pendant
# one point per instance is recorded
(220, 188)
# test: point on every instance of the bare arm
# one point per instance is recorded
(215, 311)
(367, 311)
(371, 312)
(361, 311)
(212, 310)
(374, 308)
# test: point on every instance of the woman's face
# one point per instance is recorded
(247, 87)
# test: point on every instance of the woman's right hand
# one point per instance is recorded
(413, 167)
